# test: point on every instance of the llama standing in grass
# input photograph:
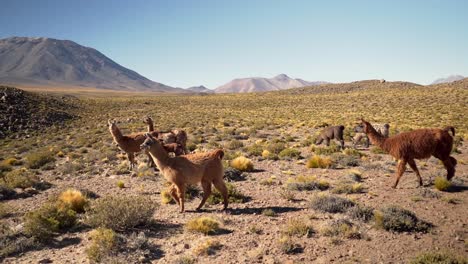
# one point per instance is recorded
(130, 144)
(205, 168)
(174, 136)
(332, 132)
(416, 144)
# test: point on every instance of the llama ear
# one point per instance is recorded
(110, 122)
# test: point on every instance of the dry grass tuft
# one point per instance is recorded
(242, 163)
(205, 225)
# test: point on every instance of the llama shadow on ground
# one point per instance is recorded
(457, 188)
(160, 229)
(259, 210)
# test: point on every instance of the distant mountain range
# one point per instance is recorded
(449, 79)
(53, 62)
(258, 84)
(200, 89)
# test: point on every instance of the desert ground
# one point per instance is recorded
(291, 201)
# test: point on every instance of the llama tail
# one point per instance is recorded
(450, 128)
(219, 153)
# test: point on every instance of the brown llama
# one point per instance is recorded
(417, 144)
(205, 168)
(332, 132)
(130, 144)
(174, 136)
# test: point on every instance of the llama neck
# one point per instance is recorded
(115, 131)
(376, 138)
(159, 155)
(150, 126)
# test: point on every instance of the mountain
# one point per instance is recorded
(53, 62)
(258, 84)
(449, 79)
(200, 89)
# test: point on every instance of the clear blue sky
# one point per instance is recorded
(186, 43)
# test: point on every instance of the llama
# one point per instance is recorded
(332, 132)
(205, 168)
(383, 129)
(416, 144)
(174, 136)
(130, 144)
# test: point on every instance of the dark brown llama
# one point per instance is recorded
(417, 144)
(332, 132)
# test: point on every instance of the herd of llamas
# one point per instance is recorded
(168, 152)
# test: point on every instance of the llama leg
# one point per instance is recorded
(206, 185)
(221, 187)
(342, 144)
(173, 193)
(449, 164)
(400, 171)
(131, 159)
(413, 166)
(181, 194)
(327, 142)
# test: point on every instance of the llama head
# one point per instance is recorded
(366, 126)
(387, 126)
(359, 128)
(112, 124)
(147, 120)
(149, 141)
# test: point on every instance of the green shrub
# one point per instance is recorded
(442, 184)
(120, 213)
(234, 196)
(276, 147)
(319, 162)
(298, 227)
(342, 160)
(361, 213)
(353, 152)
(234, 144)
(38, 159)
(436, 257)
(342, 228)
(289, 153)
(205, 225)
(287, 246)
(397, 219)
(19, 178)
(348, 188)
(43, 223)
(103, 244)
(331, 203)
(307, 183)
(254, 150)
(325, 150)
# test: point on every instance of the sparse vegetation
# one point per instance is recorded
(36, 160)
(207, 247)
(120, 212)
(103, 244)
(438, 257)
(348, 188)
(342, 228)
(298, 227)
(319, 162)
(442, 184)
(234, 195)
(307, 183)
(361, 213)
(205, 225)
(331, 203)
(289, 153)
(74, 199)
(397, 219)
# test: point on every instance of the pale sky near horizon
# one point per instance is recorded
(185, 43)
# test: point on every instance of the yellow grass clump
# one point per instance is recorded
(319, 162)
(73, 198)
(205, 225)
(242, 163)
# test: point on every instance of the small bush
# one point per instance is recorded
(184, 260)
(438, 258)
(208, 247)
(353, 152)
(289, 153)
(348, 188)
(74, 199)
(269, 155)
(254, 150)
(355, 175)
(19, 178)
(307, 183)
(361, 213)
(234, 196)
(319, 162)
(342, 228)
(397, 219)
(43, 223)
(276, 147)
(166, 197)
(234, 144)
(287, 246)
(103, 244)
(120, 184)
(204, 225)
(38, 159)
(331, 204)
(269, 212)
(342, 160)
(442, 184)
(298, 227)
(231, 174)
(4, 210)
(325, 150)
(120, 212)
(242, 163)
